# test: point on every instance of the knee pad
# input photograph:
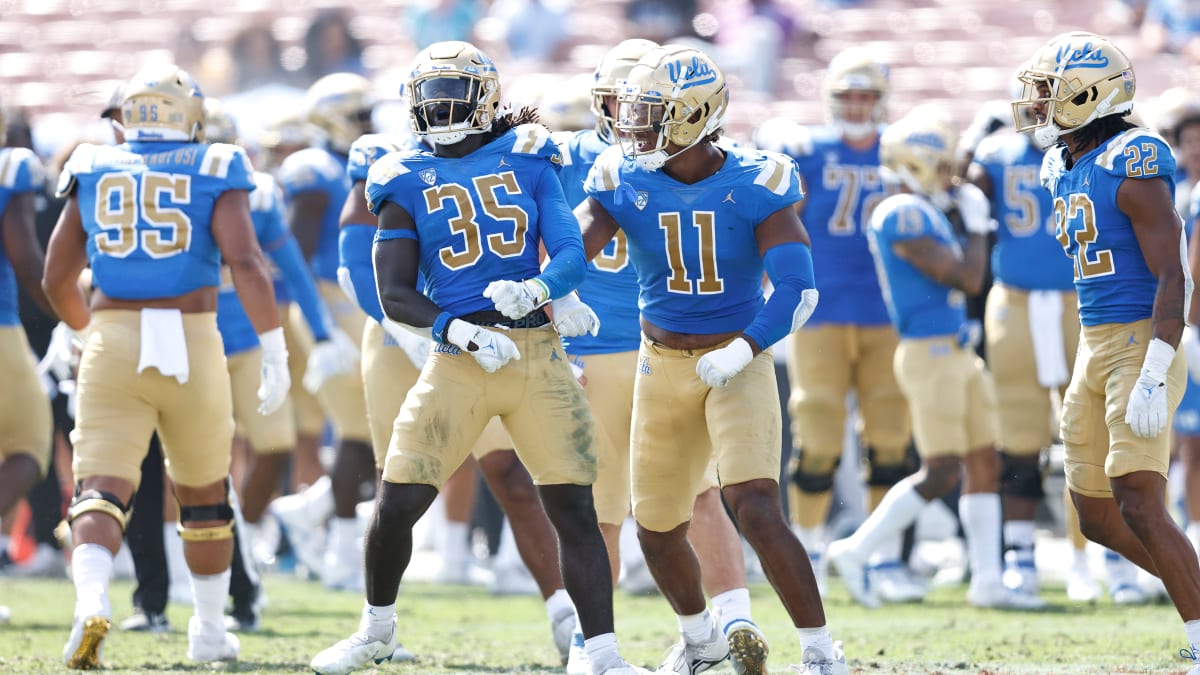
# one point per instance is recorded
(887, 471)
(101, 502)
(811, 482)
(1020, 477)
(207, 512)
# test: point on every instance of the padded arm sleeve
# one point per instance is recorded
(354, 253)
(790, 269)
(290, 261)
(560, 234)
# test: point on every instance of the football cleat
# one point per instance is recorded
(86, 643)
(688, 659)
(207, 642)
(1081, 586)
(623, 668)
(562, 627)
(853, 572)
(1020, 571)
(748, 648)
(143, 622)
(893, 583)
(356, 651)
(995, 596)
(816, 662)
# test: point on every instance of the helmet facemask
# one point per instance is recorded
(446, 106)
(647, 123)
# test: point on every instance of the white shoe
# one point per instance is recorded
(5, 614)
(210, 642)
(86, 645)
(1020, 572)
(1152, 587)
(302, 517)
(512, 579)
(624, 669)
(748, 648)
(893, 583)
(358, 650)
(637, 580)
(688, 659)
(1081, 587)
(816, 662)
(562, 628)
(1128, 594)
(46, 561)
(577, 660)
(853, 572)
(996, 596)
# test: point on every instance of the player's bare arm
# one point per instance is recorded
(66, 258)
(943, 265)
(355, 210)
(233, 231)
(23, 249)
(396, 271)
(304, 216)
(781, 227)
(597, 225)
(1151, 211)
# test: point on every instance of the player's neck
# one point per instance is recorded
(860, 142)
(460, 149)
(695, 163)
(1077, 148)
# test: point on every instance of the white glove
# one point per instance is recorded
(808, 304)
(719, 366)
(329, 358)
(1147, 409)
(490, 349)
(415, 347)
(573, 317)
(1190, 342)
(975, 210)
(275, 378)
(515, 299)
(62, 354)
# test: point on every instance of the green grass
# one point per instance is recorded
(462, 630)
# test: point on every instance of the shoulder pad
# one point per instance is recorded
(369, 148)
(783, 134)
(605, 175)
(1137, 153)
(304, 167)
(563, 139)
(776, 171)
(79, 162)
(990, 147)
(219, 157)
(265, 195)
(21, 170)
(388, 167)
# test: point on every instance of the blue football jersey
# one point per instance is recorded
(611, 286)
(1026, 255)
(20, 172)
(693, 246)
(481, 217)
(316, 169)
(842, 186)
(1111, 277)
(919, 306)
(147, 211)
(370, 148)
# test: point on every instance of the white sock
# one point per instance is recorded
(1193, 534)
(1193, 633)
(631, 549)
(889, 550)
(980, 515)
(602, 652)
(319, 496)
(557, 603)
(507, 554)
(696, 628)
(208, 597)
(812, 538)
(898, 510)
(1019, 534)
(177, 569)
(818, 638)
(732, 605)
(1080, 561)
(344, 533)
(91, 568)
(453, 545)
(377, 621)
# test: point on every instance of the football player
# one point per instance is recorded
(271, 437)
(470, 216)
(925, 273)
(155, 218)
(702, 223)
(849, 342)
(1113, 186)
(606, 355)
(393, 357)
(315, 186)
(1032, 329)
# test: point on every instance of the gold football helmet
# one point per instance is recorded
(567, 106)
(340, 105)
(918, 150)
(1071, 81)
(163, 103)
(855, 69)
(614, 68)
(674, 95)
(454, 92)
(219, 126)
(1170, 110)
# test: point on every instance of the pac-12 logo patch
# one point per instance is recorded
(428, 175)
(641, 199)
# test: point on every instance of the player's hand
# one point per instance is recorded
(808, 304)
(1147, 409)
(975, 210)
(415, 347)
(275, 378)
(329, 358)
(573, 317)
(62, 354)
(719, 366)
(1190, 342)
(490, 349)
(515, 299)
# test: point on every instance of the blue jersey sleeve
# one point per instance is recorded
(561, 236)
(387, 179)
(779, 177)
(354, 246)
(22, 172)
(290, 260)
(1139, 154)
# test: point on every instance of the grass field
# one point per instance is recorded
(466, 630)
